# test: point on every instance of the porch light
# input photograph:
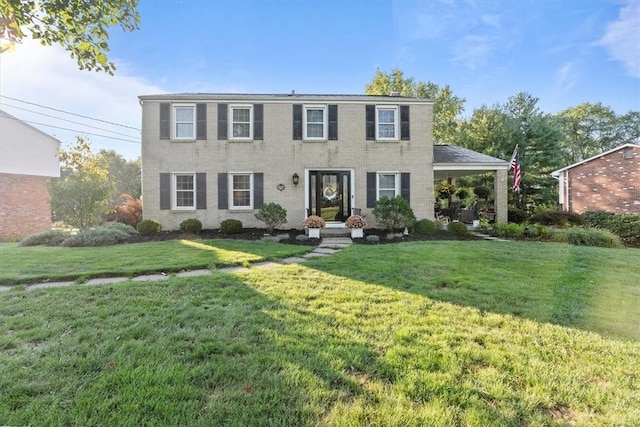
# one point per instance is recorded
(295, 178)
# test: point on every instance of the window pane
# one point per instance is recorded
(315, 116)
(184, 182)
(386, 116)
(184, 198)
(314, 131)
(386, 131)
(184, 114)
(241, 182)
(241, 198)
(388, 193)
(241, 130)
(241, 115)
(184, 130)
(387, 181)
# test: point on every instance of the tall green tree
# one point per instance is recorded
(81, 195)
(80, 26)
(446, 106)
(124, 175)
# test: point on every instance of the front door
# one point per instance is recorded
(330, 194)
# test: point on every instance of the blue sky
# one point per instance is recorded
(563, 52)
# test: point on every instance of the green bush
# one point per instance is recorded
(372, 238)
(99, 236)
(394, 214)
(273, 215)
(458, 228)
(509, 230)
(191, 225)
(425, 226)
(516, 215)
(541, 232)
(46, 238)
(597, 219)
(149, 227)
(627, 227)
(557, 218)
(122, 227)
(588, 237)
(231, 226)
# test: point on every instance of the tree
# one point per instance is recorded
(80, 26)
(81, 195)
(446, 106)
(124, 175)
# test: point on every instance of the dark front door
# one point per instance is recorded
(330, 194)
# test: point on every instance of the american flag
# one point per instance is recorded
(517, 173)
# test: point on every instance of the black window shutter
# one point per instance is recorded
(405, 189)
(165, 123)
(405, 133)
(201, 191)
(258, 190)
(371, 122)
(165, 191)
(297, 121)
(222, 121)
(201, 121)
(333, 122)
(258, 121)
(371, 189)
(223, 191)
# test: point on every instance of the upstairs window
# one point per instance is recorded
(184, 121)
(315, 122)
(241, 123)
(387, 123)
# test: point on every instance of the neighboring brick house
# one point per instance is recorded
(28, 160)
(607, 182)
(220, 156)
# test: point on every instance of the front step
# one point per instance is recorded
(337, 232)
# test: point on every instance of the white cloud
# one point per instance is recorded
(622, 38)
(46, 75)
(565, 77)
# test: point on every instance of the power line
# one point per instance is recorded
(67, 112)
(66, 120)
(75, 130)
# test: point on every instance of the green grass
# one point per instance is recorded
(434, 333)
(32, 264)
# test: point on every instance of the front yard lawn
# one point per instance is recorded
(414, 334)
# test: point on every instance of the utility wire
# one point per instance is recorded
(66, 120)
(67, 112)
(75, 130)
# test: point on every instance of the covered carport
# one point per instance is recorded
(450, 162)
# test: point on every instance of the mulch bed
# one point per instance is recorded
(259, 234)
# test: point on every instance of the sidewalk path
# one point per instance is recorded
(328, 246)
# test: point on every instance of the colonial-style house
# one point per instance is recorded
(28, 160)
(607, 182)
(220, 156)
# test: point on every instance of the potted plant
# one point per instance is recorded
(314, 223)
(356, 223)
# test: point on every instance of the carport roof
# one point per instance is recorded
(451, 161)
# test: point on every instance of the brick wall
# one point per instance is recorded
(608, 183)
(24, 205)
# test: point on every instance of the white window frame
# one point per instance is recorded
(174, 122)
(396, 126)
(324, 123)
(396, 188)
(231, 122)
(231, 190)
(174, 191)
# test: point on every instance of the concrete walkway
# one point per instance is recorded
(328, 246)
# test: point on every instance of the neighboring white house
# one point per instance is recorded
(28, 160)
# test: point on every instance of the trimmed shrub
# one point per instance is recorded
(231, 226)
(541, 232)
(273, 215)
(458, 228)
(191, 225)
(588, 237)
(122, 227)
(425, 226)
(597, 219)
(557, 218)
(394, 214)
(509, 230)
(99, 236)
(46, 238)
(516, 215)
(149, 227)
(627, 227)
